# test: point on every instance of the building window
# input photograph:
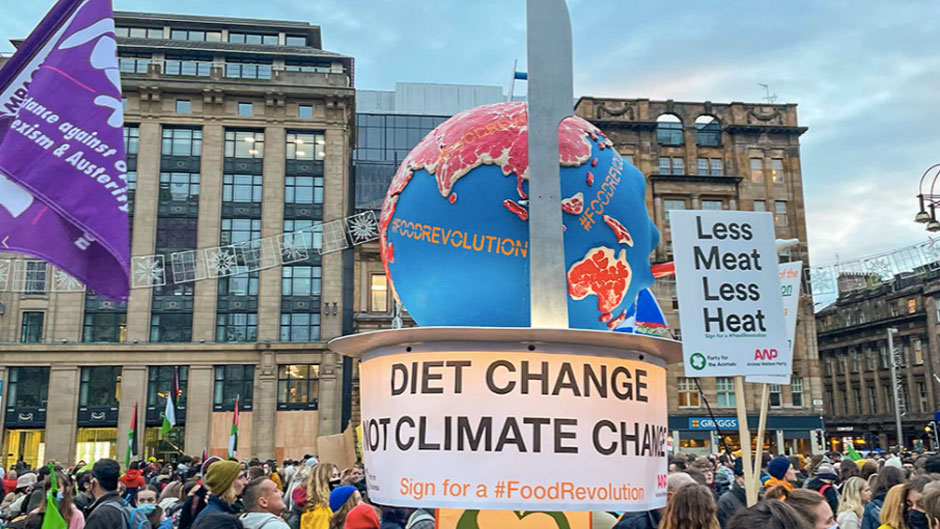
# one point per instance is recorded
(134, 62)
(253, 38)
(174, 233)
(701, 165)
(244, 188)
(31, 327)
(240, 283)
(678, 166)
(716, 167)
(796, 391)
(857, 395)
(301, 280)
(240, 230)
(307, 234)
(104, 327)
(192, 66)
(712, 205)
(669, 205)
(725, 387)
(827, 365)
(292, 40)
(854, 356)
(780, 213)
(776, 170)
(161, 383)
(236, 327)
(378, 293)
(757, 170)
(171, 327)
(883, 356)
(182, 106)
(300, 326)
(29, 387)
(35, 280)
(922, 393)
(244, 109)
(917, 352)
(100, 386)
(760, 205)
(911, 306)
(303, 190)
(774, 395)
(231, 382)
(131, 139)
(873, 400)
(688, 394)
(179, 186)
(138, 33)
(182, 142)
(665, 165)
(305, 111)
(298, 386)
(305, 146)
(244, 144)
(707, 131)
(669, 130)
(869, 359)
(196, 35)
(246, 69)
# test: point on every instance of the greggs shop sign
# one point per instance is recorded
(706, 423)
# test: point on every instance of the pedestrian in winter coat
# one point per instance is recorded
(735, 499)
(884, 480)
(107, 512)
(824, 482)
(855, 494)
(226, 480)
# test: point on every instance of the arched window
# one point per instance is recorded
(669, 130)
(707, 131)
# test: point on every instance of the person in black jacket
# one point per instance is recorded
(824, 482)
(735, 499)
(107, 512)
(651, 519)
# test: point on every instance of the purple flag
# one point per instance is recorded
(63, 183)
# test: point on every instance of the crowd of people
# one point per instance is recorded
(821, 492)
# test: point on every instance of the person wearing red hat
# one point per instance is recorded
(362, 516)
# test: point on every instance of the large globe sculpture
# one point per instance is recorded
(454, 227)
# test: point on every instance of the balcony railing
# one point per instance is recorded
(134, 68)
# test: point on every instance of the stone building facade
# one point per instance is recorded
(856, 361)
(737, 156)
(235, 129)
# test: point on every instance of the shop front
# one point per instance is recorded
(99, 397)
(25, 416)
(162, 381)
(784, 434)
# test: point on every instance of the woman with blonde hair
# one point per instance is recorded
(892, 511)
(691, 507)
(855, 494)
(316, 489)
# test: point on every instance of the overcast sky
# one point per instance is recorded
(864, 74)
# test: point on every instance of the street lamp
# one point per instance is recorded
(922, 217)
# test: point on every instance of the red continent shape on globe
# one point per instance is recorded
(603, 274)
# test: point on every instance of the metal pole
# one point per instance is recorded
(894, 388)
(550, 93)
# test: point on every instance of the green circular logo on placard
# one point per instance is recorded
(698, 361)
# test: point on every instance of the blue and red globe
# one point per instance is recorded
(454, 225)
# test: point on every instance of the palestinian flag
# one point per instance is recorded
(131, 440)
(169, 415)
(52, 519)
(233, 437)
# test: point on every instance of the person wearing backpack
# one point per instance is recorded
(108, 510)
(824, 482)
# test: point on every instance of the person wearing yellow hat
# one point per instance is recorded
(226, 480)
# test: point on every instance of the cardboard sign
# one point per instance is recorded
(461, 519)
(507, 429)
(339, 449)
(728, 286)
(790, 276)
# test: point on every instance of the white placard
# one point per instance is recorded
(790, 276)
(728, 287)
(514, 430)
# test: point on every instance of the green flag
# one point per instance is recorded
(52, 519)
(853, 454)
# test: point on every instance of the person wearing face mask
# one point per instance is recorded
(913, 508)
(73, 517)
(810, 504)
(317, 488)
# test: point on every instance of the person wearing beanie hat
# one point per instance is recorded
(205, 466)
(736, 498)
(226, 480)
(781, 473)
(824, 482)
(362, 516)
(342, 500)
